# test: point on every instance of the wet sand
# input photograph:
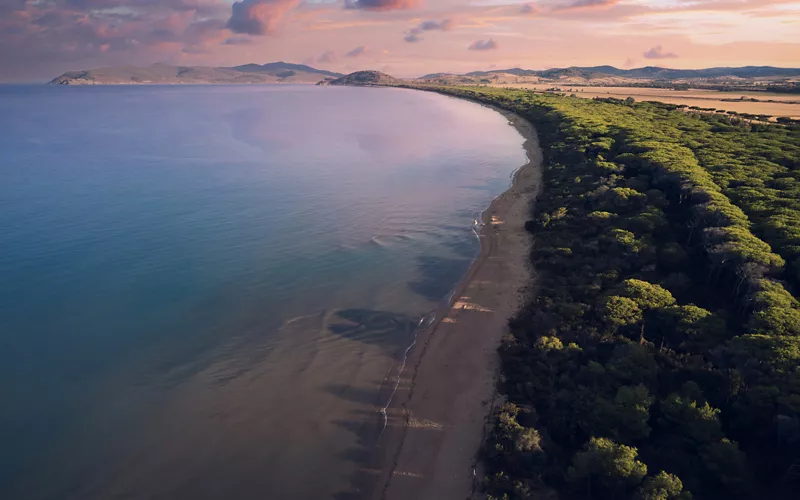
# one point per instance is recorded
(438, 415)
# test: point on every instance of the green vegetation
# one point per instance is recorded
(659, 356)
(363, 78)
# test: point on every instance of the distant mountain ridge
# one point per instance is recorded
(283, 72)
(647, 72)
(274, 72)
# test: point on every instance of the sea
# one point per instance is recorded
(207, 291)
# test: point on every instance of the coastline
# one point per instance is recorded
(440, 408)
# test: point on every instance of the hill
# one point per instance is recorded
(611, 75)
(275, 72)
(277, 68)
(363, 78)
(282, 72)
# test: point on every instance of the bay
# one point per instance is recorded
(206, 289)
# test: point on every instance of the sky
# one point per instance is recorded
(40, 39)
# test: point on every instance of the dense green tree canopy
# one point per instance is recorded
(663, 486)
(613, 466)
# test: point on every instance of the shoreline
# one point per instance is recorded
(439, 412)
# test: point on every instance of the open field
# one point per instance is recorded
(789, 105)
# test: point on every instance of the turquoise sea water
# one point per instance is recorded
(204, 288)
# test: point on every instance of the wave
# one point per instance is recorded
(423, 323)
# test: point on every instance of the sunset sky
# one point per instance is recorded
(40, 39)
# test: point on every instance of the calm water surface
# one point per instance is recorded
(205, 288)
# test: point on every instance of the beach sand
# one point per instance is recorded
(438, 416)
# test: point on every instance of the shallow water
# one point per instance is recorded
(205, 288)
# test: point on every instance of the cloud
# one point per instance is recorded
(327, 57)
(43, 39)
(483, 45)
(358, 51)
(381, 5)
(443, 25)
(592, 3)
(578, 5)
(238, 40)
(258, 17)
(657, 52)
(203, 6)
(412, 35)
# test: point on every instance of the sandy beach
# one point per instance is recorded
(438, 416)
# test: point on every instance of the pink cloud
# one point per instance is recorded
(483, 45)
(52, 37)
(657, 52)
(578, 5)
(430, 25)
(238, 40)
(413, 35)
(41, 38)
(358, 51)
(382, 5)
(258, 17)
(327, 57)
